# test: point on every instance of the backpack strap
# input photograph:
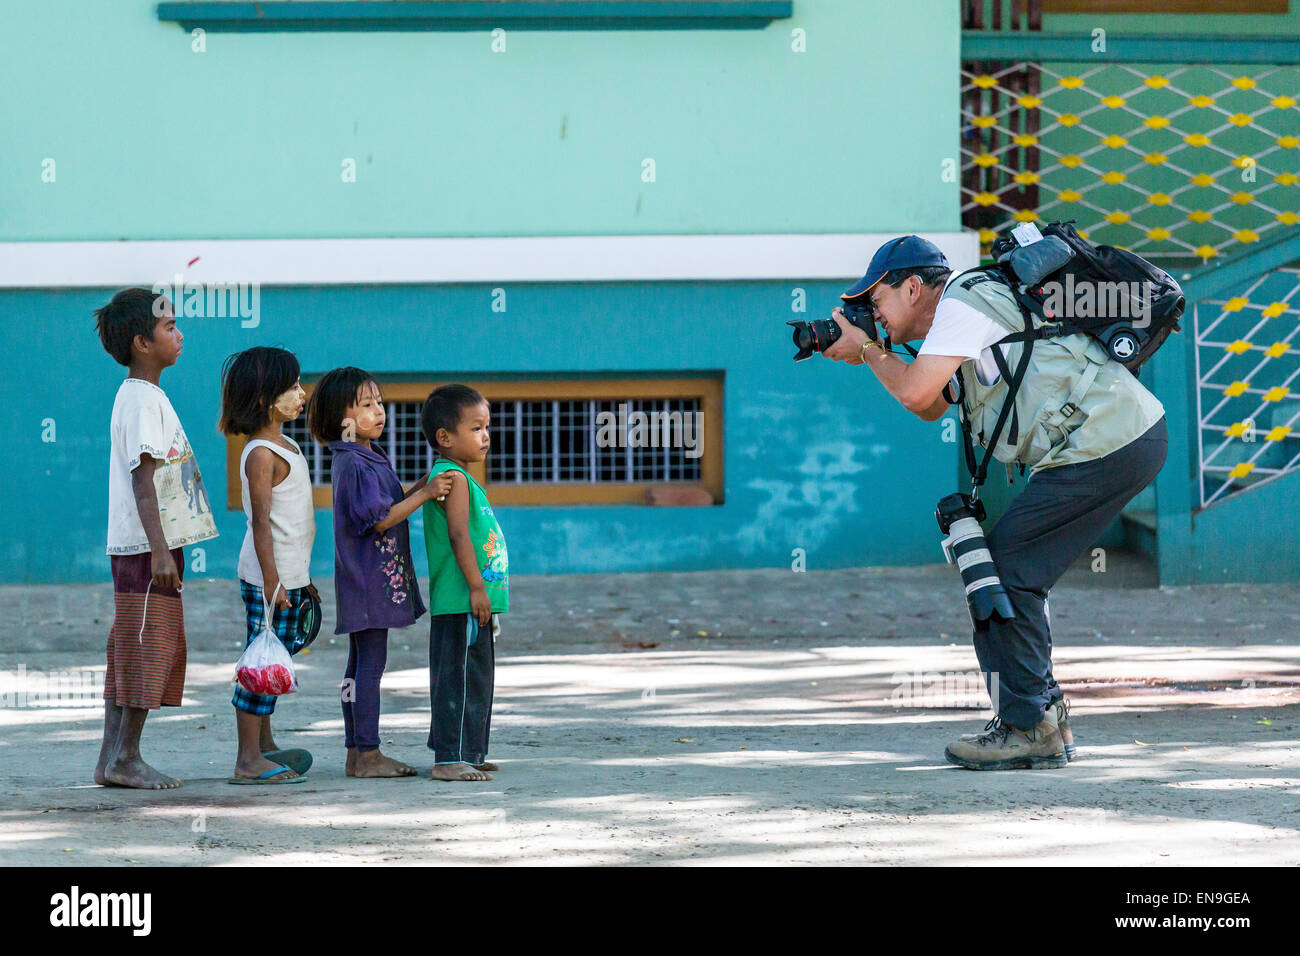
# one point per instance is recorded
(1030, 305)
(1028, 335)
(1004, 370)
(1008, 407)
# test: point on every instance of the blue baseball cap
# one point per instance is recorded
(905, 252)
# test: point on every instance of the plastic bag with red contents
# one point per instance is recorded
(265, 667)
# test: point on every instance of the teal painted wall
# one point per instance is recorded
(1251, 537)
(817, 456)
(153, 141)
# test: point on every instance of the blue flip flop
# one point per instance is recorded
(270, 777)
(297, 760)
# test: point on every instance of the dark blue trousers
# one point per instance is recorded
(462, 672)
(1059, 514)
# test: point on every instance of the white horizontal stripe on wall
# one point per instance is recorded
(289, 262)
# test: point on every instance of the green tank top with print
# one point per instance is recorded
(448, 589)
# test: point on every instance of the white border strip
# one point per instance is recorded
(290, 262)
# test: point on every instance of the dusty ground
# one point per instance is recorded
(742, 717)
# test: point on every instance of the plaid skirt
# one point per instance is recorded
(284, 624)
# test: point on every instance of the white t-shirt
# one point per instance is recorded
(292, 517)
(144, 423)
(960, 330)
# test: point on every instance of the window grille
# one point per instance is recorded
(402, 441)
(545, 442)
(564, 441)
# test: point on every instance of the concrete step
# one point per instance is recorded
(1140, 531)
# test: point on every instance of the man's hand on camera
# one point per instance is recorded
(848, 347)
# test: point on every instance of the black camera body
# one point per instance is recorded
(821, 334)
(955, 506)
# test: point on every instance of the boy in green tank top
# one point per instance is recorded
(468, 587)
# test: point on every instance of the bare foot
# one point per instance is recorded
(487, 765)
(372, 763)
(112, 728)
(458, 771)
(139, 775)
(252, 769)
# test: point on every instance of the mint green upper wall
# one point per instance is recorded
(154, 141)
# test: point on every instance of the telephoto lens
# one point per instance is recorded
(959, 518)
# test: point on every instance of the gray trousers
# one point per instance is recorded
(1059, 514)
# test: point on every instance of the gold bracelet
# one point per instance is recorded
(869, 343)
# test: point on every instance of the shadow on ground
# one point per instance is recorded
(769, 738)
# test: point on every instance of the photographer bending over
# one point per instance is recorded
(1090, 433)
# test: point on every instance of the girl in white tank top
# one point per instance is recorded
(260, 391)
(292, 517)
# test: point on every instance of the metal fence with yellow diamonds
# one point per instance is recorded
(1248, 397)
(1185, 162)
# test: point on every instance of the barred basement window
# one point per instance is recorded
(537, 441)
(587, 441)
(402, 440)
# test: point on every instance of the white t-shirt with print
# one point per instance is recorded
(144, 423)
(960, 330)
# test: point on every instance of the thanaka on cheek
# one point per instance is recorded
(288, 404)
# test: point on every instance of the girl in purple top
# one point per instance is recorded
(375, 587)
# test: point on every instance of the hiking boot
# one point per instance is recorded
(1003, 747)
(1062, 708)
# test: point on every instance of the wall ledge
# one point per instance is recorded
(1011, 46)
(281, 16)
(330, 262)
